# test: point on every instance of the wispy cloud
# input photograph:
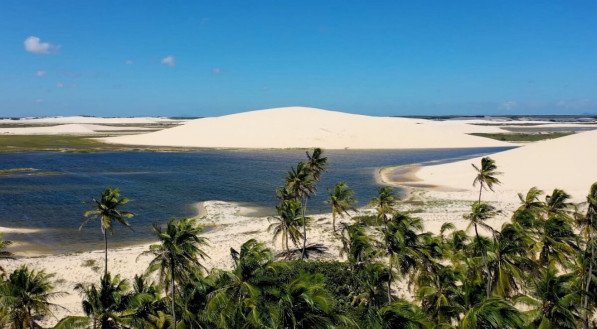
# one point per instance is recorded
(508, 105)
(40, 73)
(169, 61)
(34, 45)
(216, 70)
(129, 62)
(60, 85)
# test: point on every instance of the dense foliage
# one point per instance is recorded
(537, 271)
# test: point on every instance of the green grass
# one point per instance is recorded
(523, 137)
(65, 143)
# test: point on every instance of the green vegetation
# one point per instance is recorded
(523, 137)
(67, 143)
(536, 271)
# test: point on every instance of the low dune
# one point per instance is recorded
(569, 163)
(302, 127)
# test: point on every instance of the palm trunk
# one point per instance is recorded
(334, 220)
(286, 237)
(105, 253)
(588, 284)
(304, 253)
(480, 190)
(172, 292)
(390, 279)
(488, 283)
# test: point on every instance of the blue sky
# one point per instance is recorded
(195, 58)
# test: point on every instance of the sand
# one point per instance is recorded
(568, 163)
(302, 127)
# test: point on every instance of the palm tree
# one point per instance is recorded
(176, 255)
(357, 245)
(558, 203)
(510, 262)
(529, 212)
(4, 254)
(588, 231)
(486, 175)
(480, 212)
(237, 298)
(493, 313)
(402, 314)
(384, 203)
(441, 295)
(105, 307)
(107, 211)
(554, 300)
(25, 295)
(287, 223)
(316, 163)
(556, 242)
(301, 184)
(304, 303)
(341, 199)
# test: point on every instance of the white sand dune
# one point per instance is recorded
(302, 127)
(569, 163)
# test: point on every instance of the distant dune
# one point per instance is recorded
(569, 163)
(302, 127)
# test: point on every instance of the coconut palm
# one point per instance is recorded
(25, 296)
(530, 210)
(287, 223)
(237, 298)
(588, 231)
(556, 241)
(105, 306)
(4, 254)
(402, 314)
(107, 211)
(177, 254)
(301, 184)
(441, 295)
(558, 203)
(480, 212)
(384, 203)
(493, 313)
(316, 163)
(486, 175)
(554, 301)
(342, 200)
(357, 245)
(304, 303)
(509, 261)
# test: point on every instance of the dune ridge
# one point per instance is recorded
(303, 127)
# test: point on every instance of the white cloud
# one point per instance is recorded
(60, 85)
(169, 60)
(216, 70)
(35, 45)
(129, 62)
(40, 73)
(39, 100)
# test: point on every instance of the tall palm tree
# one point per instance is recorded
(177, 253)
(301, 184)
(384, 203)
(588, 231)
(528, 214)
(486, 175)
(25, 295)
(441, 295)
(480, 212)
(556, 242)
(558, 203)
(4, 254)
(107, 211)
(316, 163)
(287, 223)
(342, 200)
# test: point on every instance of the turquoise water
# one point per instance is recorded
(161, 186)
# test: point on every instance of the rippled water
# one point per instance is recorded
(165, 185)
